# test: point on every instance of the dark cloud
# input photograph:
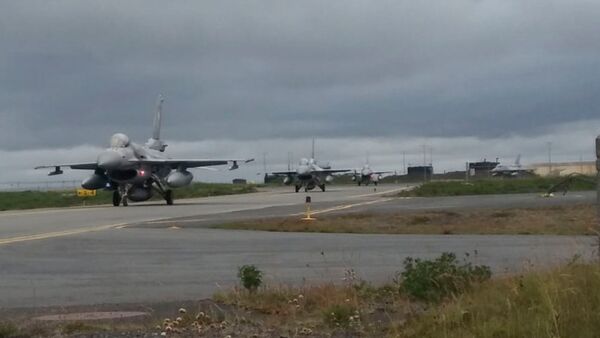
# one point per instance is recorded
(74, 72)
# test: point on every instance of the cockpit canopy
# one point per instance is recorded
(119, 140)
(303, 161)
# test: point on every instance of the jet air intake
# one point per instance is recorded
(96, 181)
(179, 178)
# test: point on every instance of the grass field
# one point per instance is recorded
(559, 220)
(559, 302)
(55, 199)
(496, 186)
(564, 302)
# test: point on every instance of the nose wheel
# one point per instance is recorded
(119, 198)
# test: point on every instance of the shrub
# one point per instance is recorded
(432, 280)
(250, 277)
(8, 330)
(340, 315)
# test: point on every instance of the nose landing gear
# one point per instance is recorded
(119, 197)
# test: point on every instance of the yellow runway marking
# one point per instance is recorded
(48, 235)
(344, 207)
(170, 220)
(380, 193)
(49, 211)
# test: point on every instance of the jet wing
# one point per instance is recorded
(191, 163)
(79, 166)
(284, 173)
(332, 171)
(382, 172)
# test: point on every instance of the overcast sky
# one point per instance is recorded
(472, 79)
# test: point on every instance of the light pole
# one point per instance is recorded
(549, 158)
(598, 192)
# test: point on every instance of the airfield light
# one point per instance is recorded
(308, 217)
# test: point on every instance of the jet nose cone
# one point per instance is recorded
(109, 160)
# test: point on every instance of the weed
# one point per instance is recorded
(8, 330)
(418, 220)
(340, 315)
(432, 280)
(81, 327)
(56, 199)
(492, 186)
(250, 277)
(564, 302)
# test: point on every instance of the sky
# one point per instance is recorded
(469, 79)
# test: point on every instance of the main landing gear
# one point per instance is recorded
(167, 194)
(322, 186)
(169, 197)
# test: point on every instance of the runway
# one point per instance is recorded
(80, 256)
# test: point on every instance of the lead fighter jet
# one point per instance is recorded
(135, 171)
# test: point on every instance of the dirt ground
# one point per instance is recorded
(561, 220)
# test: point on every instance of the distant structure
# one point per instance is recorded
(239, 181)
(482, 169)
(420, 172)
(564, 168)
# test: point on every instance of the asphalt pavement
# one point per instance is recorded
(80, 256)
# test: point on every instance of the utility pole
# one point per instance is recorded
(597, 230)
(549, 158)
(265, 166)
(467, 172)
(424, 163)
(431, 157)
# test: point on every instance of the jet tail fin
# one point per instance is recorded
(155, 142)
(518, 160)
(158, 118)
(312, 153)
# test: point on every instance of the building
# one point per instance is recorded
(420, 172)
(483, 168)
(564, 168)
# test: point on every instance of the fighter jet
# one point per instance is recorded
(309, 174)
(366, 175)
(136, 171)
(511, 170)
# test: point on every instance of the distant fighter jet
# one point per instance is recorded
(512, 170)
(366, 175)
(309, 174)
(135, 171)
